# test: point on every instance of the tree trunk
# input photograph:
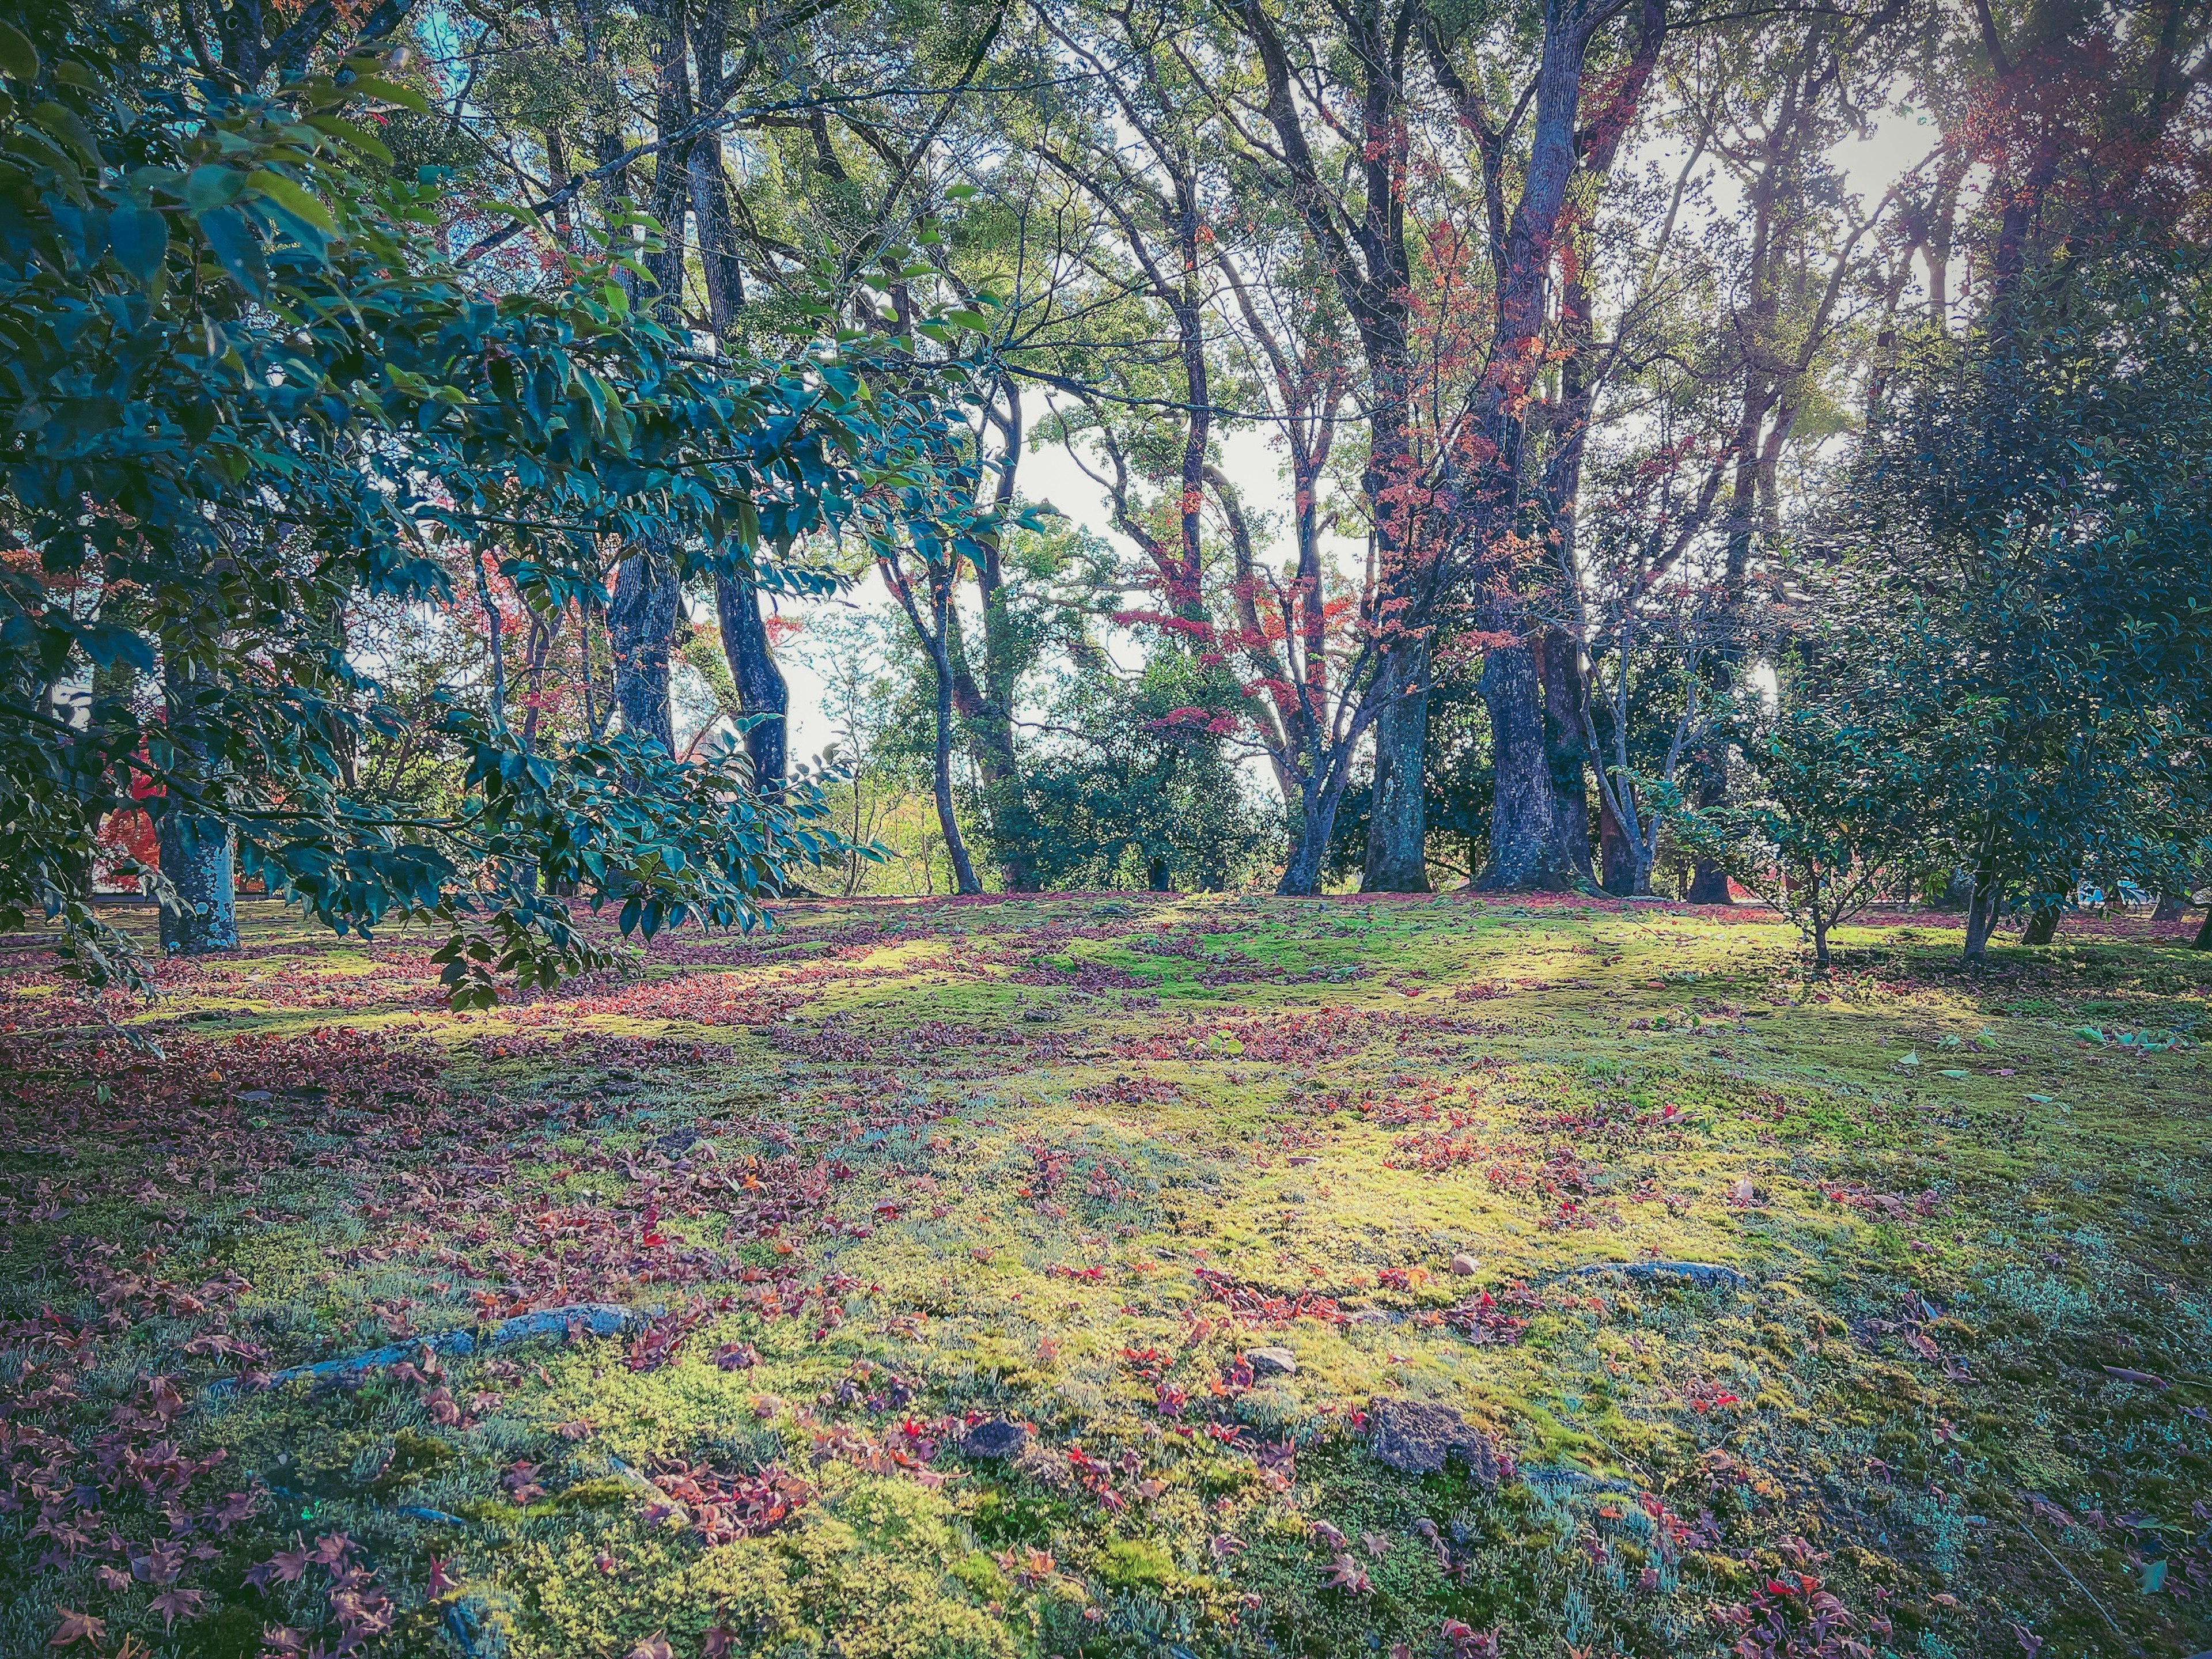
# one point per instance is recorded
(760, 682)
(1566, 751)
(1622, 874)
(671, 167)
(956, 848)
(2203, 939)
(2171, 907)
(1397, 826)
(196, 856)
(1156, 876)
(1982, 915)
(196, 852)
(2042, 925)
(1709, 883)
(641, 625)
(1524, 843)
(715, 229)
(1316, 826)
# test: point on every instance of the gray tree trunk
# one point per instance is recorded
(1558, 667)
(1524, 843)
(1397, 827)
(760, 682)
(641, 625)
(196, 853)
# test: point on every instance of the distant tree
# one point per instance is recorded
(1828, 812)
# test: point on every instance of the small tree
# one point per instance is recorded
(1832, 812)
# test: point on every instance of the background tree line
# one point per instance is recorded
(1529, 455)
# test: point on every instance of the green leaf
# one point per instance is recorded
(288, 195)
(354, 136)
(212, 187)
(140, 237)
(236, 245)
(372, 85)
(19, 58)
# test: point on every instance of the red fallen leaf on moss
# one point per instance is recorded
(176, 1601)
(78, 1627)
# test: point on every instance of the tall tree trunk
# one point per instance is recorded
(716, 230)
(2171, 907)
(641, 626)
(1397, 826)
(956, 848)
(987, 711)
(1619, 862)
(1525, 841)
(1316, 824)
(2042, 925)
(671, 167)
(1566, 748)
(761, 689)
(196, 851)
(2203, 939)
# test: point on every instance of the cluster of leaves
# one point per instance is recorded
(246, 390)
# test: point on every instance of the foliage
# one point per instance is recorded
(1831, 809)
(246, 390)
(2027, 509)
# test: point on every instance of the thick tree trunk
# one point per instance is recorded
(1525, 841)
(2042, 925)
(1559, 668)
(1617, 855)
(1309, 847)
(1709, 883)
(760, 682)
(719, 260)
(2203, 939)
(196, 856)
(2171, 907)
(196, 852)
(1397, 827)
(641, 625)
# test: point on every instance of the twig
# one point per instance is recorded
(2070, 1578)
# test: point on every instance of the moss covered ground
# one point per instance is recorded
(948, 1236)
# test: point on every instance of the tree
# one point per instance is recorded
(2025, 505)
(319, 401)
(1831, 810)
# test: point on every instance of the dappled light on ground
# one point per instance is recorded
(1120, 1274)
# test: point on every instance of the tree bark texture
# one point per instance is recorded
(196, 852)
(641, 625)
(761, 686)
(1397, 827)
(1524, 840)
(2042, 925)
(1981, 914)
(1566, 750)
(956, 848)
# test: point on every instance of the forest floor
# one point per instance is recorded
(1120, 1275)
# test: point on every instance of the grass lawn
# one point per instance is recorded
(1120, 1275)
